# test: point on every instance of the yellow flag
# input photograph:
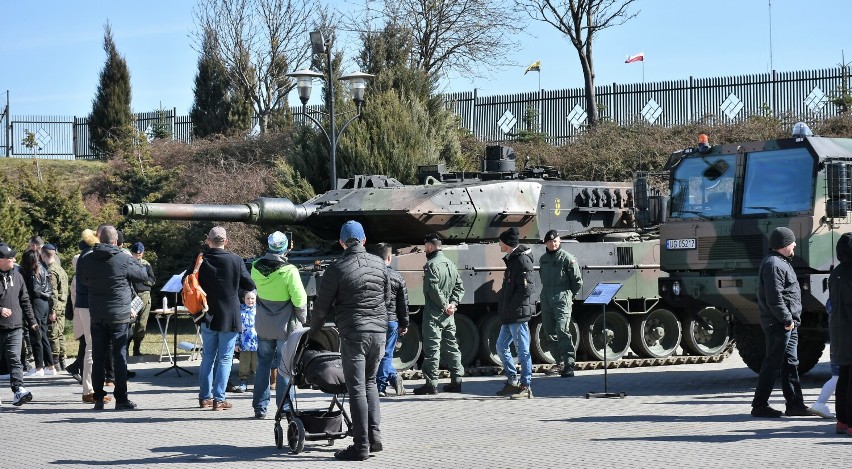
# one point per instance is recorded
(534, 67)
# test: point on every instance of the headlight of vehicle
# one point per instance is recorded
(676, 288)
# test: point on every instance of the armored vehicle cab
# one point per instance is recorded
(725, 200)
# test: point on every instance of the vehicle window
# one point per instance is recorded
(703, 186)
(778, 181)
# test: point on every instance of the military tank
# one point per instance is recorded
(469, 210)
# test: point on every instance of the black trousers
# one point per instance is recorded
(843, 395)
(119, 335)
(782, 357)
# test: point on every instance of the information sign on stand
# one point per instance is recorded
(602, 295)
(174, 285)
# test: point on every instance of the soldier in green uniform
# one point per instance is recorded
(443, 290)
(58, 297)
(137, 250)
(561, 281)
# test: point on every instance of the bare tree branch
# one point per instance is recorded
(458, 36)
(260, 41)
(580, 21)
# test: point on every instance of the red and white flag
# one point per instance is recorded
(640, 57)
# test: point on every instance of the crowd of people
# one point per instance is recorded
(252, 311)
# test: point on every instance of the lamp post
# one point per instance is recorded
(304, 82)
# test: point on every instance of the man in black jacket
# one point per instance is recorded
(515, 309)
(222, 274)
(107, 272)
(14, 309)
(357, 285)
(779, 298)
(397, 324)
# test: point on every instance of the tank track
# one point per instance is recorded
(589, 365)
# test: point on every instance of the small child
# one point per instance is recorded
(247, 344)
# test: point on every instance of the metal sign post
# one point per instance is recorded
(602, 294)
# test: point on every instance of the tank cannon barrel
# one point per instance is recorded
(261, 211)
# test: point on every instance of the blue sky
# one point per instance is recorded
(51, 51)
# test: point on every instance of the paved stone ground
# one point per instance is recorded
(675, 416)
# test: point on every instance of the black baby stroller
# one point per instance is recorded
(312, 362)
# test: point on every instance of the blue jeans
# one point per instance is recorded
(216, 360)
(268, 356)
(387, 373)
(519, 333)
(781, 358)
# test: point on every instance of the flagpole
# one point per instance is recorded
(539, 99)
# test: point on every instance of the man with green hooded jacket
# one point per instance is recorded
(442, 290)
(561, 281)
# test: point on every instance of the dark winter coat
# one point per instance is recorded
(516, 300)
(14, 295)
(778, 294)
(108, 272)
(222, 275)
(38, 286)
(147, 284)
(398, 300)
(358, 286)
(840, 293)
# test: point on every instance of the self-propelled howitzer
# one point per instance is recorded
(469, 211)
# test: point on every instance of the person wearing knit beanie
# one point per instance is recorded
(510, 237)
(779, 298)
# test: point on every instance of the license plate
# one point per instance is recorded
(688, 243)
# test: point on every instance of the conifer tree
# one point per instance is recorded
(16, 232)
(111, 115)
(212, 107)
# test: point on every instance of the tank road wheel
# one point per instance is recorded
(617, 333)
(656, 334)
(750, 344)
(489, 330)
(408, 348)
(538, 347)
(296, 435)
(279, 435)
(538, 344)
(706, 332)
(467, 337)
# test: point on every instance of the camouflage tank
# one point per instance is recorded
(725, 201)
(469, 210)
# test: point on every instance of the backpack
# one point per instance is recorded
(193, 296)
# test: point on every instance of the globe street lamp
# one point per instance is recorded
(304, 82)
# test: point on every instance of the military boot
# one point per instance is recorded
(427, 388)
(452, 387)
(62, 363)
(137, 345)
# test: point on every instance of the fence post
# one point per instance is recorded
(8, 128)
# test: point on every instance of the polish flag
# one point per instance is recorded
(640, 57)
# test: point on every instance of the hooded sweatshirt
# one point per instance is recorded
(14, 295)
(281, 297)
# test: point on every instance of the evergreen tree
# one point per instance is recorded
(213, 107)
(16, 231)
(56, 214)
(111, 115)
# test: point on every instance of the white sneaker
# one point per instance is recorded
(822, 410)
(35, 372)
(22, 396)
(49, 372)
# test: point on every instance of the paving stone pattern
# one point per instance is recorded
(674, 416)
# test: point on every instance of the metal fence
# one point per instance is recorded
(804, 94)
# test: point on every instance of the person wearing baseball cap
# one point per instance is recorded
(16, 313)
(561, 281)
(143, 290)
(357, 286)
(779, 298)
(222, 275)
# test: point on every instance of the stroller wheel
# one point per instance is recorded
(296, 435)
(279, 436)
